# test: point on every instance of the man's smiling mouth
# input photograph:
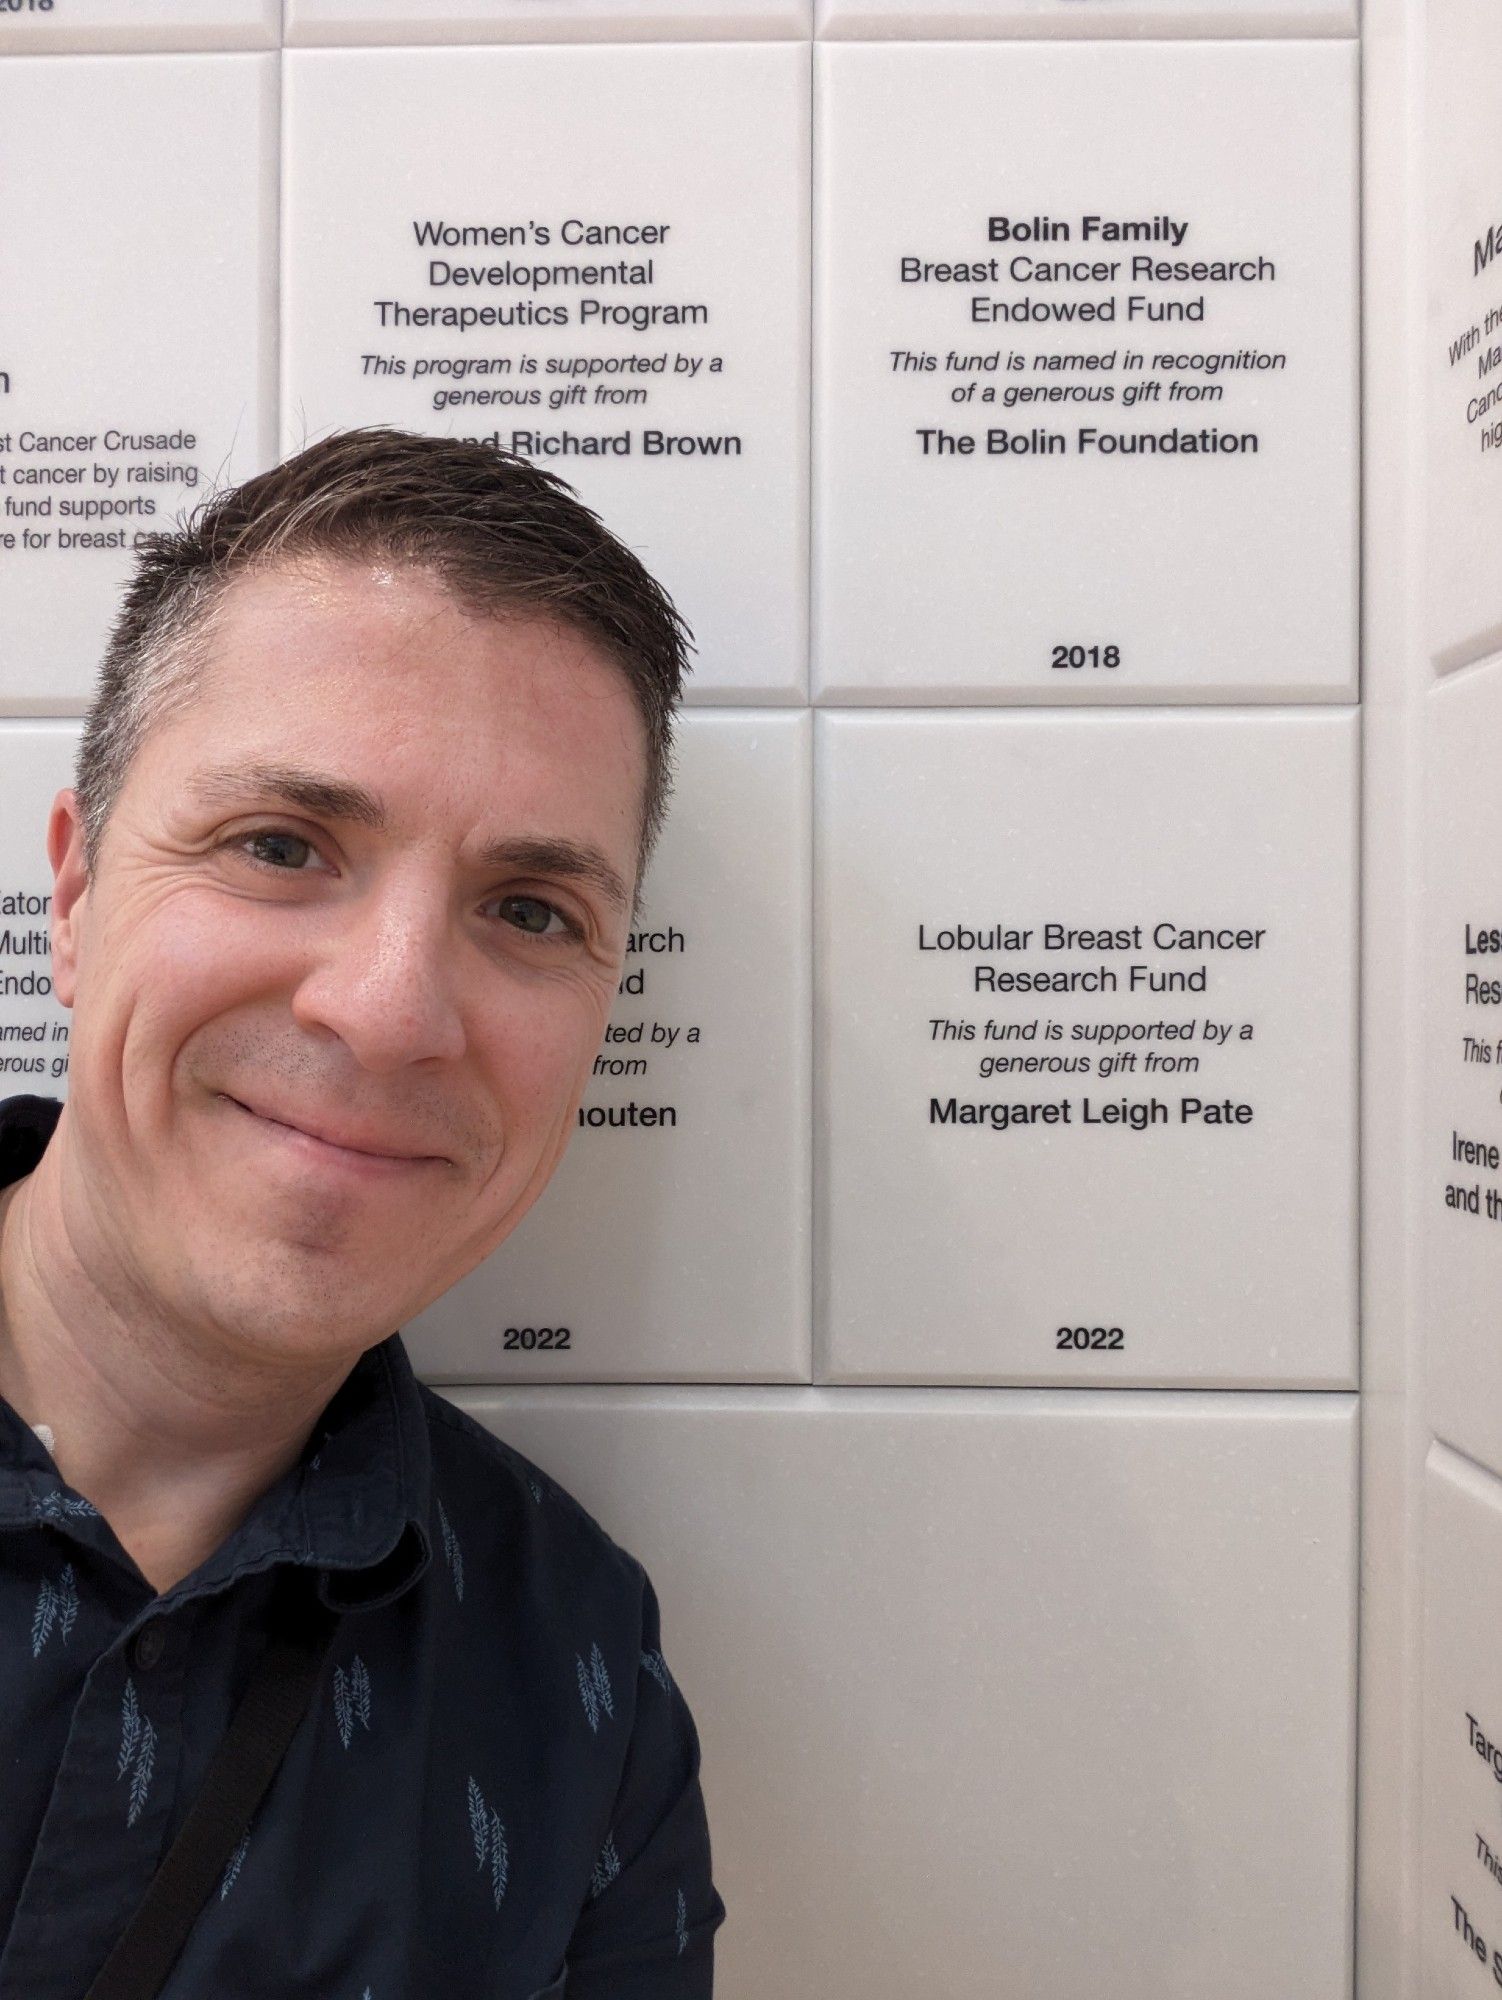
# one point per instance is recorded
(317, 1137)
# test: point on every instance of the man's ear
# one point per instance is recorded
(70, 882)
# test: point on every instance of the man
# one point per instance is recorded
(380, 747)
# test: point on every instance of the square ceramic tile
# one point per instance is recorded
(942, 20)
(30, 27)
(543, 20)
(136, 331)
(1460, 1897)
(36, 762)
(1085, 384)
(1085, 1047)
(597, 257)
(1463, 143)
(1039, 1697)
(1461, 1170)
(673, 1243)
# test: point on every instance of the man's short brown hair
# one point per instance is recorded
(499, 532)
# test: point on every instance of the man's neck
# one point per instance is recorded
(165, 1428)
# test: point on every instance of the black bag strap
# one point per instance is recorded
(277, 1698)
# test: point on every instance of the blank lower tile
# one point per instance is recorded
(939, 20)
(596, 256)
(36, 762)
(1463, 142)
(1461, 1162)
(136, 330)
(1085, 383)
(1460, 1907)
(1086, 1009)
(672, 1244)
(543, 20)
(30, 27)
(998, 1693)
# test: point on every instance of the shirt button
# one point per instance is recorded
(150, 1644)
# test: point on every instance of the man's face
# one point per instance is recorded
(357, 923)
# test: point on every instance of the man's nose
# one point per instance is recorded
(385, 978)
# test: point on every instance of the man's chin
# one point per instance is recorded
(302, 1299)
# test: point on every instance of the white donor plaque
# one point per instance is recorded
(939, 20)
(136, 330)
(1463, 137)
(1086, 1021)
(29, 27)
(672, 1245)
(1461, 1910)
(540, 20)
(36, 762)
(1003, 1695)
(593, 256)
(1462, 1191)
(1086, 372)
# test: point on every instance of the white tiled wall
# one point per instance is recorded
(1461, 1906)
(1461, 1183)
(95, 26)
(36, 762)
(674, 1243)
(414, 21)
(137, 329)
(1456, 677)
(596, 256)
(1000, 1694)
(934, 20)
(1086, 1047)
(1085, 385)
(1020, 1670)
(1462, 357)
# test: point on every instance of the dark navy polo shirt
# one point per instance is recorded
(494, 1793)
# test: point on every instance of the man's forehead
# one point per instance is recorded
(372, 646)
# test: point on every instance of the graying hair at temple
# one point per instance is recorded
(502, 534)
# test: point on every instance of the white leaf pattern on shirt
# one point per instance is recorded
(657, 1667)
(140, 1783)
(594, 1687)
(489, 1836)
(453, 1555)
(233, 1865)
(606, 1868)
(351, 1699)
(57, 1604)
(130, 1728)
(138, 1748)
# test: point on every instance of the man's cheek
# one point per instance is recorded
(550, 1059)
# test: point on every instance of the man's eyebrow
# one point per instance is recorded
(337, 798)
(327, 798)
(541, 856)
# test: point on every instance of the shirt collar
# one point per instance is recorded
(366, 1484)
(355, 1506)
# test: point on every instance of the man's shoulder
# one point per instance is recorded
(524, 1521)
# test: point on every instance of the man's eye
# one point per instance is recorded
(279, 850)
(532, 914)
